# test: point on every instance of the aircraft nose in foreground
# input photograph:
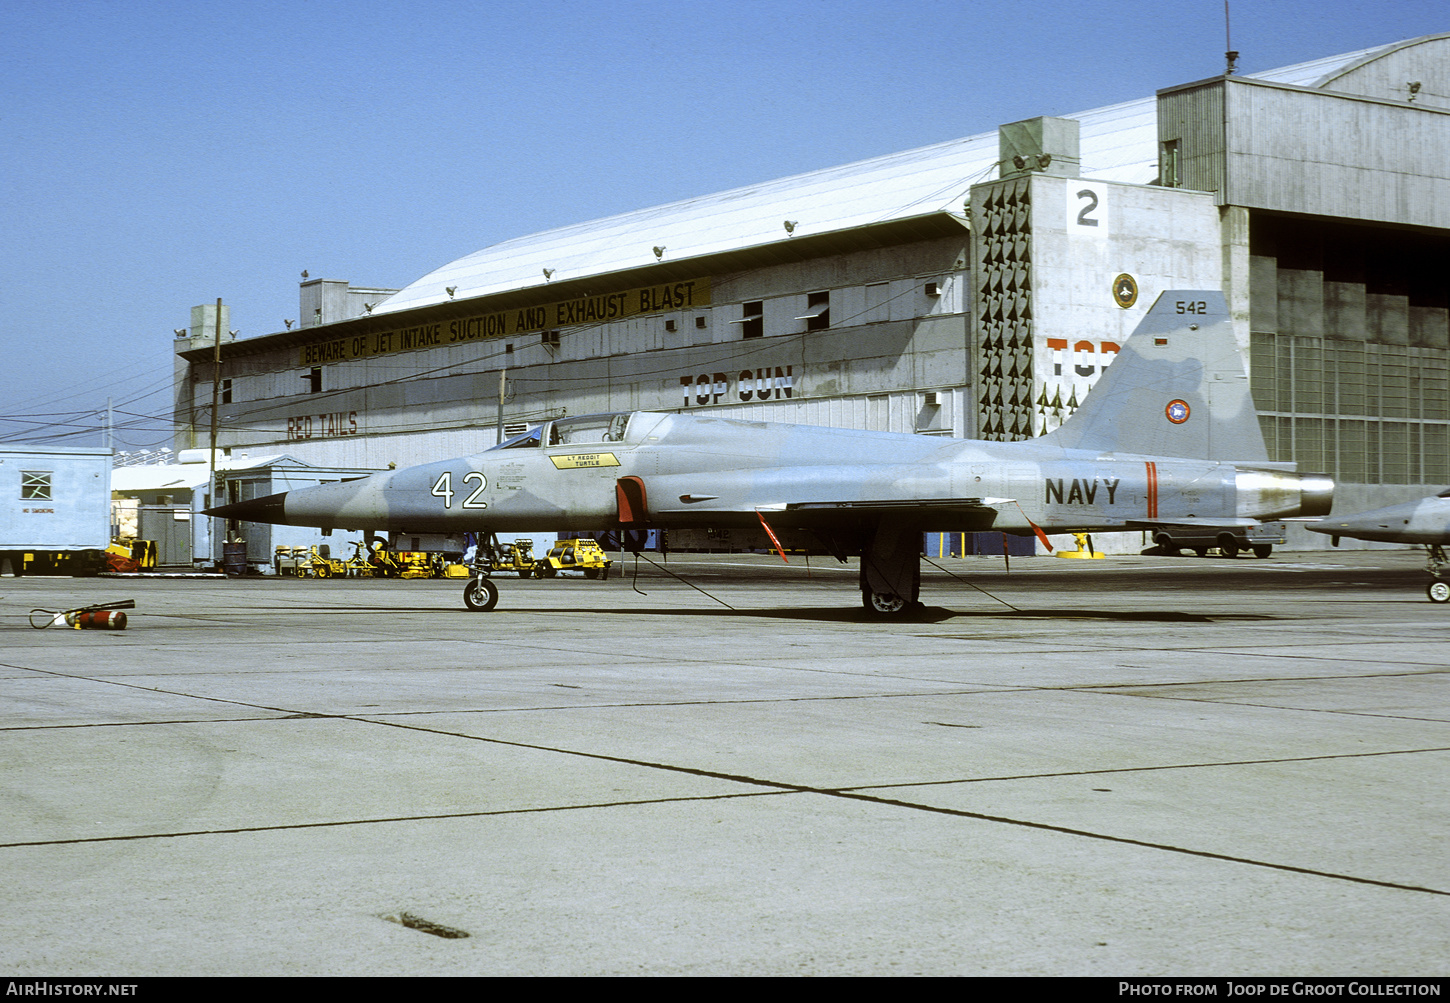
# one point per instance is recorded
(270, 508)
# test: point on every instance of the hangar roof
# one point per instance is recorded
(1118, 143)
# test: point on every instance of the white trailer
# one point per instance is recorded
(55, 504)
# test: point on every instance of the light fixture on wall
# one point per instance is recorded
(548, 274)
(451, 290)
(790, 226)
(659, 252)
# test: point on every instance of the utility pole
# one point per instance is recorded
(216, 392)
(502, 376)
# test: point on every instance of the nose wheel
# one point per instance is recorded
(480, 595)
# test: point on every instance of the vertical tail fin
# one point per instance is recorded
(1177, 388)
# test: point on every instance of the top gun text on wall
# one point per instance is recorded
(1084, 355)
(750, 385)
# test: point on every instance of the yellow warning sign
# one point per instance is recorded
(574, 461)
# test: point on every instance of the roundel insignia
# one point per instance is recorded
(1177, 411)
(1125, 290)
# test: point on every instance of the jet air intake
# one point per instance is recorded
(1279, 494)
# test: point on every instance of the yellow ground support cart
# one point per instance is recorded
(582, 554)
(518, 557)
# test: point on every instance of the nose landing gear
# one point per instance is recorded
(480, 595)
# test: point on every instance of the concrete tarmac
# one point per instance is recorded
(1137, 766)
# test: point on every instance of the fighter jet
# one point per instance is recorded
(1168, 435)
(1426, 522)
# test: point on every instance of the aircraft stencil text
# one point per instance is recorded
(1082, 491)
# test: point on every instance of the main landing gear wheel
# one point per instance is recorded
(480, 595)
(1438, 591)
(885, 604)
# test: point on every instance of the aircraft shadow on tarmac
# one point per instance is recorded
(929, 614)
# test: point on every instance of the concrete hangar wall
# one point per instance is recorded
(974, 288)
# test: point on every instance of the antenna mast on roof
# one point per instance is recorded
(1230, 56)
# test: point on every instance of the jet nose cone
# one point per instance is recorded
(1352, 525)
(270, 508)
(1384, 524)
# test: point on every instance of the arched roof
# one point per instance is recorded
(1118, 143)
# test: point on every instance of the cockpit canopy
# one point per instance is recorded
(587, 428)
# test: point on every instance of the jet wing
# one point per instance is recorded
(933, 505)
(1191, 521)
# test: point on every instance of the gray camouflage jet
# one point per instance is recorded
(1426, 522)
(1168, 435)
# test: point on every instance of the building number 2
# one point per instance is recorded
(1083, 219)
(443, 488)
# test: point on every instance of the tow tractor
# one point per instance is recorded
(581, 554)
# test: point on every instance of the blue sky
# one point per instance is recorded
(154, 156)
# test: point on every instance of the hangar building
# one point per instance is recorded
(973, 288)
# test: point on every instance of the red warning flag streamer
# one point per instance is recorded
(771, 533)
(1035, 528)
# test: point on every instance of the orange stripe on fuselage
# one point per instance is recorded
(1152, 489)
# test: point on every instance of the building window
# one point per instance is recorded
(1168, 167)
(549, 339)
(818, 312)
(226, 391)
(877, 309)
(314, 380)
(35, 485)
(752, 319)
